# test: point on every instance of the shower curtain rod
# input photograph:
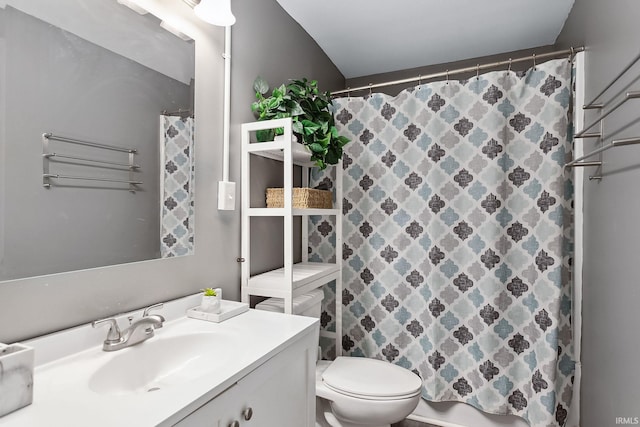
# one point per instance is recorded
(477, 68)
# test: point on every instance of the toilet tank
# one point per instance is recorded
(303, 305)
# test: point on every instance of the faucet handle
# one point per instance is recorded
(146, 311)
(114, 335)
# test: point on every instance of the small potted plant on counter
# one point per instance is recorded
(210, 301)
(313, 122)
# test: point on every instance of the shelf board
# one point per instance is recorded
(273, 150)
(328, 334)
(306, 212)
(296, 212)
(306, 276)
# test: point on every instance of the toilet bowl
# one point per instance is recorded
(356, 391)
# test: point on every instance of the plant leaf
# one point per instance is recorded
(333, 155)
(296, 109)
(296, 90)
(316, 148)
(343, 140)
(309, 126)
(325, 141)
(324, 127)
(279, 92)
(297, 127)
(260, 85)
(273, 103)
(265, 135)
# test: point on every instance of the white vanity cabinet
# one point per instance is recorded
(191, 373)
(279, 393)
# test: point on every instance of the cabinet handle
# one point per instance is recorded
(234, 424)
(247, 414)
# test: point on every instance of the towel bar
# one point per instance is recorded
(88, 178)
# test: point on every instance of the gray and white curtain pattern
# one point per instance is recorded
(458, 237)
(177, 187)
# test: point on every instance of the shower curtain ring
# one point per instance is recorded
(477, 71)
(534, 62)
(349, 93)
(419, 80)
(447, 73)
(510, 62)
(370, 89)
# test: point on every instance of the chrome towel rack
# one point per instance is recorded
(627, 97)
(47, 176)
(592, 104)
(613, 144)
(595, 105)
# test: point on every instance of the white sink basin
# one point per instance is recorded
(162, 362)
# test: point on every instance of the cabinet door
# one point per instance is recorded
(280, 393)
(209, 415)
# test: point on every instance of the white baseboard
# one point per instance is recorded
(439, 423)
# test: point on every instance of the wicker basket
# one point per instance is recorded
(303, 198)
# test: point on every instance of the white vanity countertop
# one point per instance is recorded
(63, 396)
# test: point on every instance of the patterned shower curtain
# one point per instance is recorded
(458, 236)
(177, 220)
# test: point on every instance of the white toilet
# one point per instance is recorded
(355, 391)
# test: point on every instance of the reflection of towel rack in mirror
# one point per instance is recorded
(53, 175)
(131, 166)
(85, 159)
(48, 136)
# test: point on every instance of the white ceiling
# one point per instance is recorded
(364, 37)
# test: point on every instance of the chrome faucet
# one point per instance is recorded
(138, 331)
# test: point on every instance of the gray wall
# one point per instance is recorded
(610, 345)
(79, 90)
(266, 41)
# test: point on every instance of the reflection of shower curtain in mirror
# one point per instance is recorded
(177, 185)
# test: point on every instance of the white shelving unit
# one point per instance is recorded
(291, 279)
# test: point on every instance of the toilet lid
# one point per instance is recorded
(371, 378)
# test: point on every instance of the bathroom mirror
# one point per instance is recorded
(95, 76)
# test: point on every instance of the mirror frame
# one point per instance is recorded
(35, 306)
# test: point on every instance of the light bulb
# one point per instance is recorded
(216, 12)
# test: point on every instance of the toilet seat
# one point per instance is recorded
(370, 379)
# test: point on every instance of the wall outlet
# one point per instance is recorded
(226, 195)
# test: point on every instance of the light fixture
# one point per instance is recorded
(173, 30)
(133, 6)
(216, 12)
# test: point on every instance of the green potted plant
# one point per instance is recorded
(313, 122)
(210, 301)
